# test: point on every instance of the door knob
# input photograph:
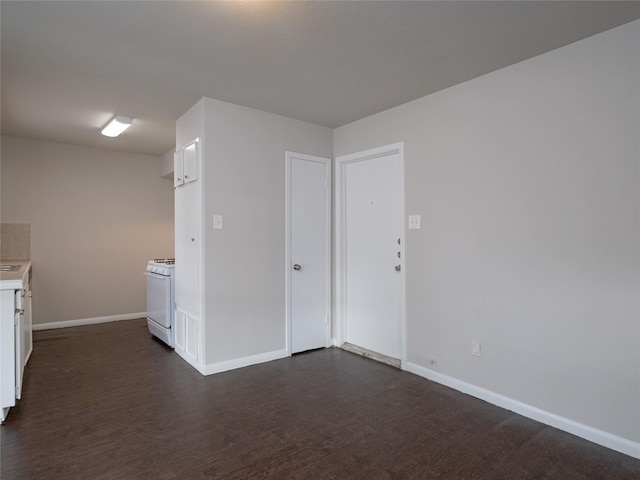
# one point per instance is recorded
(297, 267)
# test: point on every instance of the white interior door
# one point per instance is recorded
(371, 241)
(308, 251)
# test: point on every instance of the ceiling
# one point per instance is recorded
(68, 67)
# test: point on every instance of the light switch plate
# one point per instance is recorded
(217, 222)
(414, 222)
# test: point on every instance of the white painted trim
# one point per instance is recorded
(289, 261)
(219, 367)
(89, 321)
(201, 232)
(287, 250)
(340, 193)
(190, 360)
(614, 442)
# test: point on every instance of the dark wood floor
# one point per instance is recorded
(109, 402)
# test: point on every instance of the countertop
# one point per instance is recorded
(14, 280)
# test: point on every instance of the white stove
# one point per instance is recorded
(161, 299)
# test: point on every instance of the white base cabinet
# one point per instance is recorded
(7, 352)
(15, 344)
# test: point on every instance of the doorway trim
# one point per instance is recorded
(340, 249)
(290, 157)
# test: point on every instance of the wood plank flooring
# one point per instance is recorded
(109, 402)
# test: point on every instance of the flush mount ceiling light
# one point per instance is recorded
(116, 126)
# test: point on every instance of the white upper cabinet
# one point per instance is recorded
(185, 164)
(190, 163)
(178, 168)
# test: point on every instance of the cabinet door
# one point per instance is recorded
(7, 352)
(18, 340)
(178, 168)
(27, 336)
(190, 162)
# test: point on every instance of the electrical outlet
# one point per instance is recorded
(475, 348)
(414, 222)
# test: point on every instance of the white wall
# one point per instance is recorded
(243, 171)
(96, 218)
(527, 180)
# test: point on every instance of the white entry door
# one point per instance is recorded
(370, 250)
(308, 251)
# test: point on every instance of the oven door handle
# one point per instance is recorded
(156, 275)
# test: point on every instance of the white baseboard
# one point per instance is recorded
(89, 321)
(581, 430)
(212, 368)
